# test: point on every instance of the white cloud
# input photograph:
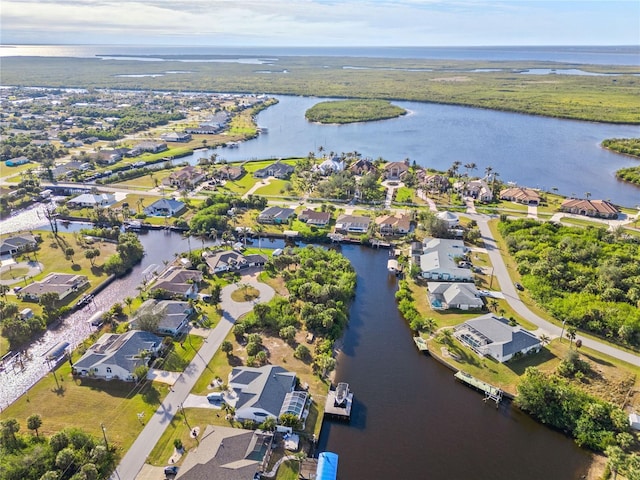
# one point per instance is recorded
(322, 22)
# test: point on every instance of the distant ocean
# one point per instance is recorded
(610, 55)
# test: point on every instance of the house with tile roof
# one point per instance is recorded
(398, 224)
(187, 177)
(492, 336)
(526, 196)
(116, 356)
(590, 208)
(395, 170)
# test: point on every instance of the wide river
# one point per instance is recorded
(412, 420)
(532, 151)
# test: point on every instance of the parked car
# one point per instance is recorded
(519, 286)
(170, 471)
(215, 397)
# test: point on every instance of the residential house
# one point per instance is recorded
(147, 147)
(439, 260)
(331, 165)
(165, 207)
(116, 356)
(395, 170)
(230, 172)
(590, 208)
(277, 215)
(447, 295)
(450, 218)
(179, 282)
(176, 137)
(477, 189)
(186, 177)
(173, 316)
(227, 453)
(109, 157)
(436, 183)
(526, 196)
(66, 169)
(224, 261)
(14, 162)
(399, 224)
(353, 223)
(276, 169)
(91, 200)
(18, 243)
(318, 219)
(493, 336)
(260, 392)
(64, 284)
(362, 166)
(256, 260)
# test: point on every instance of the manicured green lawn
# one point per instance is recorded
(288, 471)
(274, 188)
(87, 404)
(181, 354)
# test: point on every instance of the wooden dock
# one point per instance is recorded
(336, 409)
(422, 344)
(490, 392)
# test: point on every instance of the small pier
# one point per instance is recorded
(339, 402)
(422, 344)
(490, 392)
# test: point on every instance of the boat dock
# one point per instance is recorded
(339, 402)
(490, 392)
(422, 344)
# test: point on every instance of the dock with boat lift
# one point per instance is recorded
(339, 402)
(490, 392)
(422, 344)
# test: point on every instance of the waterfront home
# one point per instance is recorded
(436, 183)
(395, 170)
(353, 223)
(398, 224)
(318, 219)
(277, 169)
(331, 165)
(147, 147)
(362, 166)
(460, 295)
(227, 453)
(187, 177)
(476, 189)
(14, 162)
(18, 243)
(173, 316)
(176, 137)
(64, 284)
(165, 207)
(179, 282)
(277, 215)
(109, 157)
(261, 392)
(116, 356)
(256, 260)
(492, 336)
(590, 208)
(526, 196)
(439, 260)
(92, 200)
(230, 172)
(224, 261)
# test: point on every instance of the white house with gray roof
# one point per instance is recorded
(173, 316)
(493, 336)
(439, 260)
(116, 356)
(259, 392)
(460, 295)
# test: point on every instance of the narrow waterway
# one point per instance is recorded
(412, 420)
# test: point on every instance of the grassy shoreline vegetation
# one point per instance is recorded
(631, 148)
(352, 111)
(582, 97)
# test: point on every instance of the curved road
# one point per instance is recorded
(136, 456)
(511, 295)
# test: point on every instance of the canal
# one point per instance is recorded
(412, 420)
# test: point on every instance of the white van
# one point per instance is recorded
(215, 397)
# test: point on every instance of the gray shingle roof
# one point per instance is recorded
(264, 387)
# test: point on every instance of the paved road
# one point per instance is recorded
(511, 295)
(136, 456)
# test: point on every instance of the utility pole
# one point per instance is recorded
(104, 434)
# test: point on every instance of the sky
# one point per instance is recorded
(321, 22)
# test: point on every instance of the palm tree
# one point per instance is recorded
(544, 339)
(128, 301)
(470, 167)
(587, 195)
(571, 334)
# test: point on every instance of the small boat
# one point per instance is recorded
(342, 392)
